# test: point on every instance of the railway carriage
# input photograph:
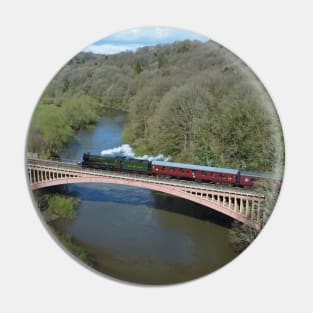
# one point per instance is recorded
(251, 178)
(171, 169)
(195, 172)
(135, 165)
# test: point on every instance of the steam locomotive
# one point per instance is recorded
(171, 169)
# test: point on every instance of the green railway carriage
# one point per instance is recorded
(136, 165)
(101, 162)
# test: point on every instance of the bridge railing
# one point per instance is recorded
(74, 167)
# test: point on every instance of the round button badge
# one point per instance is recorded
(155, 156)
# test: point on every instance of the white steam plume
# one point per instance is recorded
(127, 150)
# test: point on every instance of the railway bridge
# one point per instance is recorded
(240, 204)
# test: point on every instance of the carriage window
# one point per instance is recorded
(172, 169)
(163, 168)
(203, 173)
(193, 172)
(222, 175)
(212, 174)
(181, 170)
(229, 178)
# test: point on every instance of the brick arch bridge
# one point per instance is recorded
(240, 204)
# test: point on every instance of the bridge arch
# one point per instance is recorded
(160, 188)
(241, 206)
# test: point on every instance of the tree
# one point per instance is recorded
(138, 67)
(51, 129)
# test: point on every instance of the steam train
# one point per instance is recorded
(171, 169)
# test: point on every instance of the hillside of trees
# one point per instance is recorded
(194, 101)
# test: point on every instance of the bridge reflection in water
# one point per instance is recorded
(240, 204)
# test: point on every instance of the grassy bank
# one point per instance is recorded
(57, 205)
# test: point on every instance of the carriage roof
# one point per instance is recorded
(196, 167)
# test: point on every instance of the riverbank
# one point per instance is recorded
(57, 206)
(52, 126)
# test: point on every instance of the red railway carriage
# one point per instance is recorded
(250, 178)
(196, 172)
(246, 179)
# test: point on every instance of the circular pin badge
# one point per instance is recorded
(155, 156)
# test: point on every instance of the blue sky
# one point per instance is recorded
(140, 37)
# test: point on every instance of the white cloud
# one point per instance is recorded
(112, 49)
(140, 37)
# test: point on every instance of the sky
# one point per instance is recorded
(140, 37)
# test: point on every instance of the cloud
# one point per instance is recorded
(140, 37)
(111, 48)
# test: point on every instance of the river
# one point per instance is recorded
(140, 235)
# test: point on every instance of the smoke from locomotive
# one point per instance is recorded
(127, 151)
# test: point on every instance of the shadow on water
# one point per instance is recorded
(120, 194)
(190, 209)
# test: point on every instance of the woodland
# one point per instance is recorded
(194, 101)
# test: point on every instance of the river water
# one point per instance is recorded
(140, 235)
